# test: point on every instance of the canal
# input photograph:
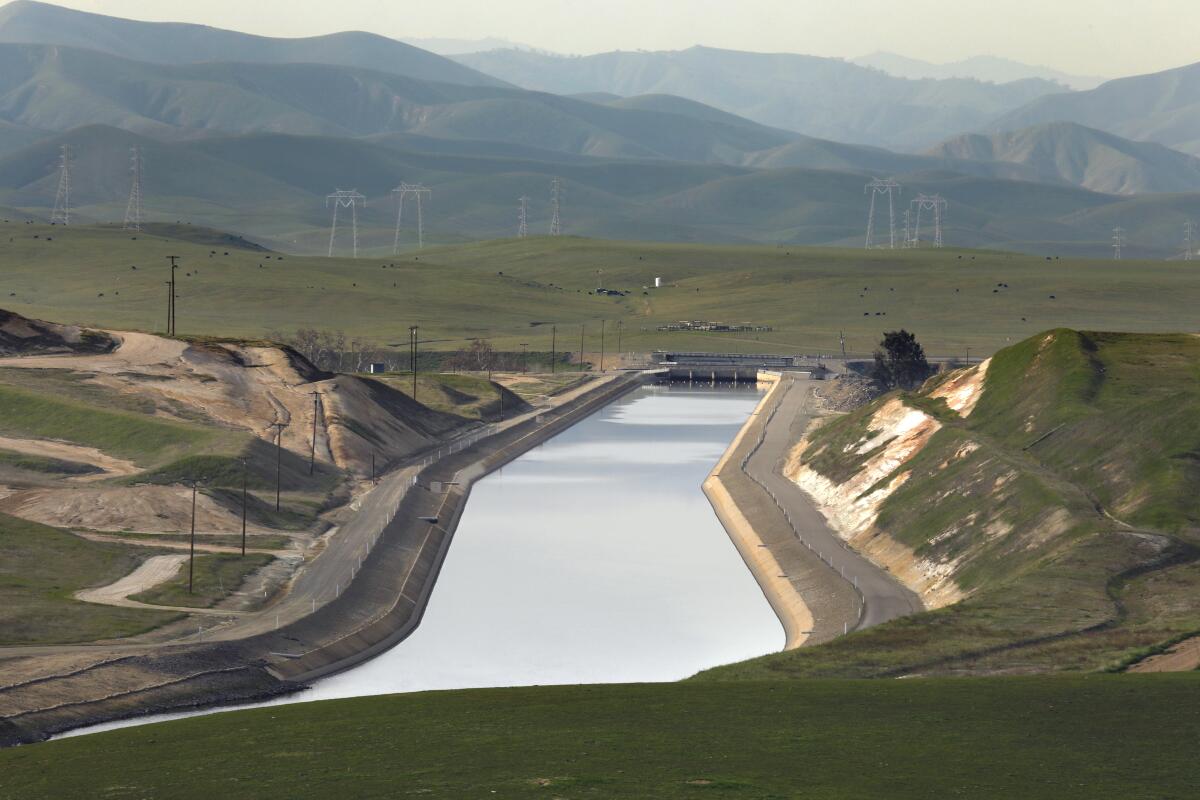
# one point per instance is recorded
(594, 558)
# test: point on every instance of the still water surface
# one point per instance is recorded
(594, 558)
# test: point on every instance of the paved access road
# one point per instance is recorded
(885, 598)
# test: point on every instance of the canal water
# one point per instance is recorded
(594, 558)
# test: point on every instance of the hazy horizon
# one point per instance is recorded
(1074, 36)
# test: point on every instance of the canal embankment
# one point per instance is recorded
(374, 611)
(819, 588)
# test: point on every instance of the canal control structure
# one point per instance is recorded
(732, 367)
(378, 608)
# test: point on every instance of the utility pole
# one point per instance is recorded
(312, 459)
(192, 545)
(602, 346)
(620, 329)
(279, 426)
(133, 210)
(345, 199)
(553, 349)
(412, 355)
(524, 358)
(885, 187)
(418, 191)
(1188, 229)
(62, 199)
(523, 218)
(244, 470)
(556, 207)
(1118, 235)
(582, 329)
(171, 297)
(842, 341)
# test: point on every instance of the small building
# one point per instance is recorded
(377, 369)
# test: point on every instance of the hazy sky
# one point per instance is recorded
(1098, 37)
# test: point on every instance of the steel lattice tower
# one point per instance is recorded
(345, 199)
(1118, 240)
(556, 207)
(523, 218)
(938, 205)
(133, 211)
(417, 190)
(875, 188)
(1188, 230)
(62, 200)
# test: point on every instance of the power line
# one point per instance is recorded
(556, 194)
(523, 218)
(345, 199)
(886, 187)
(402, 191)
(62, 200)
(133, 210)
(929, 202)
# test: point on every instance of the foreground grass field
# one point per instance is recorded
(515, 291)
(1125, 737)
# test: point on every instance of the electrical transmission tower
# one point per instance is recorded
(523, 218)
(345, 199)
(875, 188)
(908, 228)
(133, 211)
(556, 207)
(929, 202)
(62, 201)
(418, 191)
(1118, 240)
(1188, 230)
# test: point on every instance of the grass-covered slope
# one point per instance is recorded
(1063, 507)
(513, 291)
(1054, 738)
(42, 567)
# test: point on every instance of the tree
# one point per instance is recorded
(900, 362)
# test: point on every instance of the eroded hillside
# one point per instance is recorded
(1044, 502)
(104, 433)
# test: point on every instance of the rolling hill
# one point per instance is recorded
(58, 88)
(28, 22)
(1070, 153)
(271, 187)
(1161, 107)
(822, 97)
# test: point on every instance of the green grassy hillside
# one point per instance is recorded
(42, 567)
(1065, 506)
(514, 291)
(1125, 737)
(272, 187)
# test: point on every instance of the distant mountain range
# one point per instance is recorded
(981, 68)
(823, 97)
(254, 145)
(454, 47)
(1163, 107)
(28, 22)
